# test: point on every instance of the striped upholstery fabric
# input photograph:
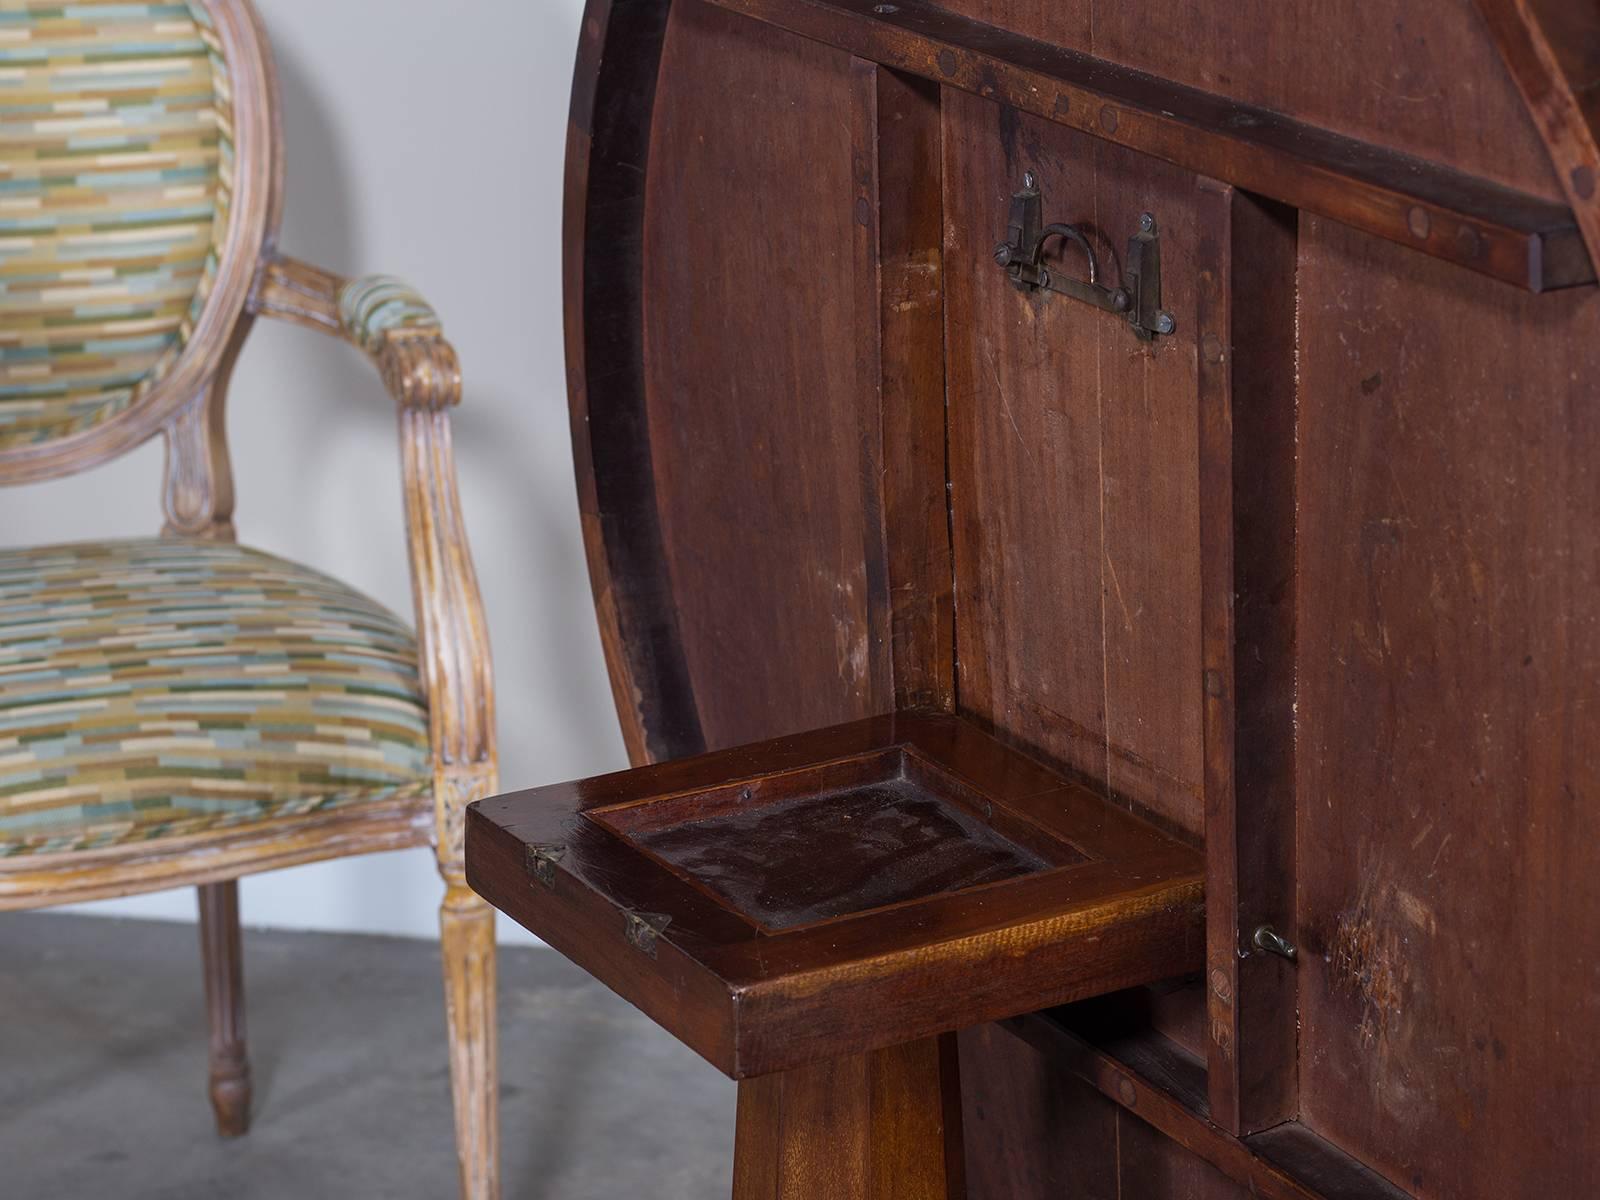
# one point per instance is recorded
(115, 175)
(375, 305)
(160, 687)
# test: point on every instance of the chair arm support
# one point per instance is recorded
(378, 314)
(402, 336)
(294, 291)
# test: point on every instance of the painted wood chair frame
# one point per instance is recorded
(421, 372)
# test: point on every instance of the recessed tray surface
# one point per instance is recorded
(841, 890)
(793, 853)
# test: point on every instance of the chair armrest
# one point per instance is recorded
(378, 314)
(403, 337)
(376, 306)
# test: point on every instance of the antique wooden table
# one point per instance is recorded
(1194, 403)
(812, 913)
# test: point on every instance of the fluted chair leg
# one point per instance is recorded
(466, 926)
(222, 962)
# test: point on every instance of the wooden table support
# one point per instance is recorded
(815, 915)
(884, 1125)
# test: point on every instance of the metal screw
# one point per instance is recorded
(1165, 323)
(1147, 223)
(1028, 180)
(886, 9)
(1002, 254)
(1269, 939)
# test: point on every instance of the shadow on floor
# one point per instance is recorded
(102, 1074)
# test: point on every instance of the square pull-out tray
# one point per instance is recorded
(841, 890)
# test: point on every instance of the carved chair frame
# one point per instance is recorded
(420, 370)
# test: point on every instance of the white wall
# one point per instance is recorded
(425, 139)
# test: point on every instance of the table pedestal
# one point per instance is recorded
(885, 1125)
(817, 913)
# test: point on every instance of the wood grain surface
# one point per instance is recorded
(1506, 233)
(773, 369)
(1074, 470)
(1307, 581)
(879, 1126)
(1449, 663)
(1418, 76)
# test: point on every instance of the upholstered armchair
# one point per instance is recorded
(183, 710)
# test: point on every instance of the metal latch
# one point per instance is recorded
(1269, 939)
(1138, 297)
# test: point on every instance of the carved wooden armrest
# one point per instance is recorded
(399, 329)
(402, 335)
(379, 314)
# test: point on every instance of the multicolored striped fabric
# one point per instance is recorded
(374, 305)
(116, 169)
(160, 687)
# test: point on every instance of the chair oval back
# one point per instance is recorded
(139, 184)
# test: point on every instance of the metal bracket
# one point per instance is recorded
(1138, 297)
(643, 928)
(542, 860)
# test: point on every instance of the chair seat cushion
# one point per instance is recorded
(162, 687)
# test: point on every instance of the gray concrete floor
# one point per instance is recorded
(102, 1074)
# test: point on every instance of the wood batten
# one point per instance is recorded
(901, 377)
(1552, 49)
(1245, 312)
(1496, 231)
(1157, 1082)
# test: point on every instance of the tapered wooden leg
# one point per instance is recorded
(466, 926)
(223, 965)
(879, 1126)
